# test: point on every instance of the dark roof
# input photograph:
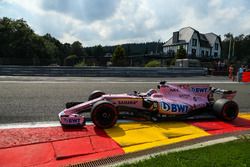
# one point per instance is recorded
(204, 42)
(211, 37)
(170, 42)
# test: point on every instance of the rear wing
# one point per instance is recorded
(226, 94)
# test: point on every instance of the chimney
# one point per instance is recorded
(176, 37)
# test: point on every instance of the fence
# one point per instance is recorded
(101, 71)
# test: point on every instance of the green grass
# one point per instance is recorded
(153, 63)
(81, 64)
(231, 154)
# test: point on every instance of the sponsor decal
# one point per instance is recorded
(157, 96)
(127, 102)
(186, 96)
(71, 120)
(174, 90)
(200, 90)
(184, 86)
(201, 105)
(174, 107)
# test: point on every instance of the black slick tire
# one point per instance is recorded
(225, 109)
(95, 94)
(72, 104)
(104, 114)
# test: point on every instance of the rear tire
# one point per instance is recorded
(226, 109)
(104, 114)
(95, 94)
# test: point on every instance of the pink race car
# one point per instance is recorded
(167, 102)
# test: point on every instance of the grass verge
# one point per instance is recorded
(231, 154)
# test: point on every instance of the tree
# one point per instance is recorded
(239, 37)
(119, 58)
(51, 53)
(77, 49)
(239, 50)
(247, 37)
(229, 36)
(60, 50)
(71, 60)
(19, 45)
(16, 36)
(181, 53)
(98, 53)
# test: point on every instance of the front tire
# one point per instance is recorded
(104, 114)
(226, 109)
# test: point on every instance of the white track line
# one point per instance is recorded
(44, 124)
(33, 125)
(120, 82)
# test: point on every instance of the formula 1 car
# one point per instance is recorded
(166, 102)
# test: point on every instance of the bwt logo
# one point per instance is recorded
(200, 90)
(174, 107)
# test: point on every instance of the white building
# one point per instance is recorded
(196, 44)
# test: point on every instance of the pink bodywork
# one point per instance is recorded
(169, 99)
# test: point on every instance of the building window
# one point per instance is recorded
(216, 47)
(194, 42)
(193, 52)
(170, 53)
(206, 53)
(202, 53)
(215, 54)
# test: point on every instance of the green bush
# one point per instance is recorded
(172, 62)
(81, 64)
(181, 53)
(71, 60)
(119, 57)
(153, 63)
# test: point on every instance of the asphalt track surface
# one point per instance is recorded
(38, 99)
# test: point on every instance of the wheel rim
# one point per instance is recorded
(230, 112)
(105, 115)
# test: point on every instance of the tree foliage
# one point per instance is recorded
(119, 57)
(20, 45)
(228, 36)
(239, 51)
(98, 53)
(181, 53)
(77, 49)
(71, 60)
